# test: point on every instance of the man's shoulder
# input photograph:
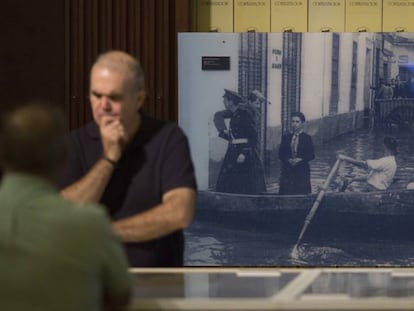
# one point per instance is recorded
(151, 122)
(304, 137)
(64, 218)
(391, 160)
(160, 128)
(89, 211)
(68, 211)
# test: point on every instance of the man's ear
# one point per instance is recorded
(142, 95)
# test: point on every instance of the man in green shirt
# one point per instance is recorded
(54, 254)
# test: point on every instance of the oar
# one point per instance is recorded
(295, 254)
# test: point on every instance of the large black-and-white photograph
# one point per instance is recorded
(303, 148)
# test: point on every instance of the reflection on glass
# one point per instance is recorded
(210, 285)
(363, 284)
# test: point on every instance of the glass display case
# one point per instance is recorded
(273, 289)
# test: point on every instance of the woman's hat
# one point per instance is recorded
(233, 96)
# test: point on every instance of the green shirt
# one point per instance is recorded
(55, 254)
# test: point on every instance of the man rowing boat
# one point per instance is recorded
(381, 171)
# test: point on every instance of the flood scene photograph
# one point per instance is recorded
(303, 148)
(354, 239)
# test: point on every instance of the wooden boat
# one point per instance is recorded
(378, 215)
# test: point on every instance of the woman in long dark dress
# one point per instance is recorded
(241, 170)
(295, 152)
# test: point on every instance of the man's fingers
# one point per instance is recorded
(111, 120)
(112, 130)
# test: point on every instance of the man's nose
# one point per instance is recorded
(105, 103)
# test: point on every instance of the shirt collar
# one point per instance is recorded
(298, 133)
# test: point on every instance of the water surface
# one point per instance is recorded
(214, 245)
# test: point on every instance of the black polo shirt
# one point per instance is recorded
(155, 161)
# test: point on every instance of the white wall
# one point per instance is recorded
(200, 92)
(365, 41)
(317, 72)
(274, 112)
(345, 66)
(316, 75)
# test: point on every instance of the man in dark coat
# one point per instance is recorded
(241, 170)
(295, 152)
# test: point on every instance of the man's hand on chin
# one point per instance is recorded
(113, 136)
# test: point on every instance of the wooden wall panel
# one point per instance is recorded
(32, 51)
(145, 28)
(183, 22)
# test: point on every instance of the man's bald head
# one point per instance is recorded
(32, 139)
(119, 61)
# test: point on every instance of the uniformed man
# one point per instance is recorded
(241, 170)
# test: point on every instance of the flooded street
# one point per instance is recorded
(215, 245)
(362, 145)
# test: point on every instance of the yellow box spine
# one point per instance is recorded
(213, 15)
(326, 16)
(363, 15)
(289, 15)
(252, 15)
(398, 15)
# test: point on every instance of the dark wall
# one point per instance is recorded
(32, 59)
(47, 47)
(145, 28)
